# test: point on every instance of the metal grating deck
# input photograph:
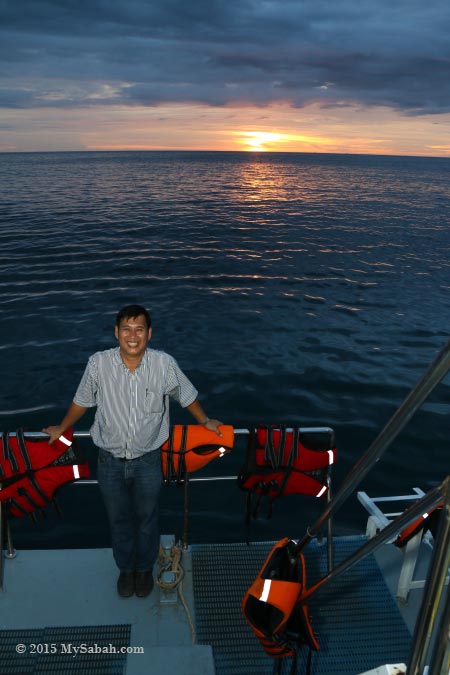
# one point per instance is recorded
(355, 618)
(105, 639)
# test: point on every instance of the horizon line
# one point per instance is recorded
(240, 152)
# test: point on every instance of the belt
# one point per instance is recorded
(128, 459)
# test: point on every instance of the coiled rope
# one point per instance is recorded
(170, 561)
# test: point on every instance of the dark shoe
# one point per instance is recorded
(143, 583)
(125, 584)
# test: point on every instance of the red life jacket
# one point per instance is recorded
(284, 461)
(271, 605)
(191, 447)
(31, 470)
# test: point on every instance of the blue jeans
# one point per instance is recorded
(130, 490)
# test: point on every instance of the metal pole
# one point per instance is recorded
(9, 542)
(427, 502)
(432, 376)
(440, 657)
(186, 512)
(330, 555)
(432, 594)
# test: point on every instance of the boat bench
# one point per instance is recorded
(380, 515)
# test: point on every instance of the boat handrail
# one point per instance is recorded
(237, 432)
(418, 394)
(426, 623)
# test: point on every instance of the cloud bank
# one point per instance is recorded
(78, 53)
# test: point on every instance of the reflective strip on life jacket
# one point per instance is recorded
(266, 590)
(191, 447)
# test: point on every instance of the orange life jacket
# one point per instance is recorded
(271, 605)
(31, 470)
(427, 521)
(191, 447)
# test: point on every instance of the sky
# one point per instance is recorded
(350, 76)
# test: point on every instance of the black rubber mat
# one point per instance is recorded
(354, 617)
(77, 650)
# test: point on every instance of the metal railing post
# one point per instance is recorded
(330, 556)
(186, 512)
(11, 551)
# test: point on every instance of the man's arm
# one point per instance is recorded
(201, 417)
(73, 414)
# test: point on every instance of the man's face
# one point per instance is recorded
(133, 336)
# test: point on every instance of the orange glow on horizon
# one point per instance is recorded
(270, 141)
(275, 128)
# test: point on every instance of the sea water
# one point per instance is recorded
(291, 288)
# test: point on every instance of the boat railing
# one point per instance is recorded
(189, 479)
(382, 510)
(431, 633)
(425, 625)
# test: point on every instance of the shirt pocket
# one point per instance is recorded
(153, 402)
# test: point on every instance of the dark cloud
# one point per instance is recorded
(224, 52)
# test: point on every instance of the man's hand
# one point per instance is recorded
(213, 425)
(54, 432)
(202, 418)
(73, 414)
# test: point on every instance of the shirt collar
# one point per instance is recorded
(117, 359)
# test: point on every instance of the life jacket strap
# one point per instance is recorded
(8, 452)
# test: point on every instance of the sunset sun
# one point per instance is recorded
(259, 141)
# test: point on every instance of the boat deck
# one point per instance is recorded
(48, 594)
(355, 618)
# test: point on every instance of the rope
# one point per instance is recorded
(170, 561)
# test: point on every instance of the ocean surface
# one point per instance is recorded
(296, 288)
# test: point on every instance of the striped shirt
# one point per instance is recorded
(132, 415)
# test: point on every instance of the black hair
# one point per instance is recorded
(131, 312)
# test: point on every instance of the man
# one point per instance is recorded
(130, 385)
